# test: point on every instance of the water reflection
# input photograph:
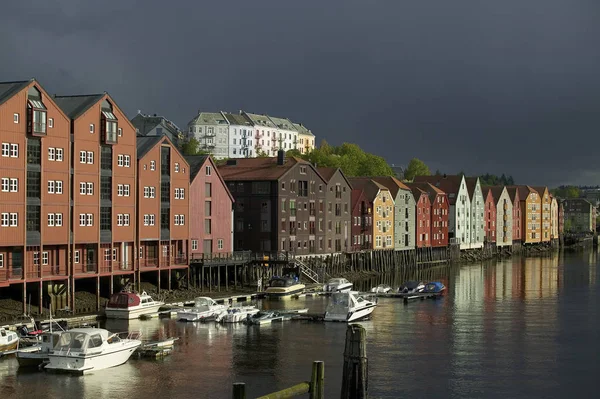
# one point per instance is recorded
(510, 328)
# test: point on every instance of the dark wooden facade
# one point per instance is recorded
(338, 214)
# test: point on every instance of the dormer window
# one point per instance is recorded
(36, 113)
(109, 127)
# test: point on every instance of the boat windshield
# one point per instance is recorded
(339, 303)
(282, 282)
(337, 281)
(78, 341)
(203, 302)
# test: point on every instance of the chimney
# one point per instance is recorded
(445, 176)
(280, 157)
(232, 162)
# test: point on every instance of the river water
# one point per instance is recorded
(518, 328)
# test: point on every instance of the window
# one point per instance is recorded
(76, 257)
(194, 245)
(126, 219)
(50, 219)
(90, 188)
(59, 154)
(50, 122)
(50, 186)
(176, 193)
(208, 170)
(59, 186)
(5, 219)
(120, 132)
(51, 154)
(82, 219)
(120, 160)
(126, 190)
(207, 208)
(120, 219)
(114, 254)
(14, 185)
(89, 219)
(14, 150)
(91, 128)
(5, 184)
(36, 258)
(120, 190)
(152, 192)
(220, 243)
(182, 220)
(182, 193)
(146, 192)
(127, 161)
(152, 165)
(5, 149)
(151, 220)
(176, 167)
(207, 226)
(90, 157)
(44, 258)
(58, 219)
(176, 220)
(146, 220)
(14, 219)
(16, 118)
(82, 157)
(208, 190)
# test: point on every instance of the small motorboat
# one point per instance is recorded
(284, 286)
(411, 287)
(267, 317)
(348, 307)
(38, 355)
(204, 309)
(9, 341)
(434, 287)
(381, 289)
(337, 285)
(83, 350)
(237, 314)
(156, 349)
(131, 305)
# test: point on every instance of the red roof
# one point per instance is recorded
(448, 184)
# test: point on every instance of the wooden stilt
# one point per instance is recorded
(41, 305)
(97, 293)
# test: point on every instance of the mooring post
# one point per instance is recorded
(317, 380)
(239, 390)
(355, 374)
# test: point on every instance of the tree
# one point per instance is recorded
(192, 147)
(261, 154)
(293, 153)
(416, 167)
(566, 192)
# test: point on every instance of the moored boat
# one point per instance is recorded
(131, 305)
(83, 350)
(37, 355)
(237, 314)
(284, 286)
(411, 287)
(349, 307)
(434, 287)
(337, 285)
(267, 317)
(381, 289)
(204, 308)
(9, 341)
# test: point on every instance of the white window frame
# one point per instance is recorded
(14, 150)
(82, 219)
(90, 188)
(182, 220)
(126, 219)
(92, 128)
(152, 165)
(126, 190)
(146, 192)
(59, 154)
(50, 220)
(36, 258)
(76, 256)
(14, 219)
(50, 186)
(90, 157)
(14, 185)
(5, 219)
(176, 193)
(176, 221)
(58, 219)
(82, 157)
(194, 245)
(152, 192)
(89, 219)
(120, 132)
(208, 170)
(50, 122)
(16, 117)
(51, 153)
(182, 193)
(146, 220)
(59, 186)
(120, 219)
(120, 160)
(82, 185)
(5, 184)
(44, 258)
(5, 149)
(127, 163)
(176, 167)
(152, 220)
(220, 243)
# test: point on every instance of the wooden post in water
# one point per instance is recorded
(239, 390)
(355, 377)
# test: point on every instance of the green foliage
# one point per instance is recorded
(566, 192)
(261, 154)
(568, 225)
(192, 147)
(416, 167)
(353, 160)
(494, 180)
(293, 153)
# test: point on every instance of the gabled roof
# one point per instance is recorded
(328, 173)
(258, 169)
(146, 123)
(393, 184)
(496, 192)
(512, 192)
(471, 184)
(146, 143)
(237, 119)
(419, 189)
(74, 106)
(196, 162)
(448, 184)
(367, 185)
(260, 120)
(303, 130)
(428, 188)
(283, 123)
(524, 191)
(9, 89)
(540, 190)
(209, 118)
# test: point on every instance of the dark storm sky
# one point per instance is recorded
(484, 86)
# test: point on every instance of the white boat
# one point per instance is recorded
(9, 341)
(237, 314)
(348, 306)
(204, 308)
(411, 287)
(381, 289)
(37, 355)
(337, 285)
(131, 305)
(267, 317)
(83, 350)
(284, 286)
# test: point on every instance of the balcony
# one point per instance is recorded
(148, 263)
(180, 260)
(293, 232)
(312, 212)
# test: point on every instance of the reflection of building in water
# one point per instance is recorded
(541, 277)
(468, 287)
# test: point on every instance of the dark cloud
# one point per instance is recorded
(479, 86)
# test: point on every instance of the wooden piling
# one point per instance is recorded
(355, 377)
(239, 390)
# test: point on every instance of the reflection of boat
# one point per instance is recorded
(82, 350)
(267, 317)
(411, 287)
(130, 305)
(237, 314)
(204, 308)
(381, 289)
(157, 348)
(348, 306)
(337, 285)
(434, 287)
(35, 356)
(284, 286)
(9, 341)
